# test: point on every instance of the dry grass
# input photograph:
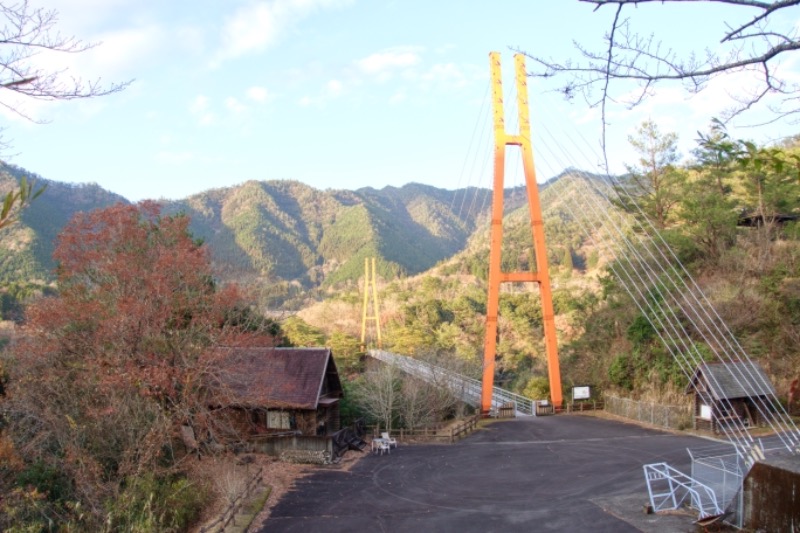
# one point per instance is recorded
(228, 475)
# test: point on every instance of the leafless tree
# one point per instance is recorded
(27, 32)
(756, 45)
(426, 403)
(378, 393)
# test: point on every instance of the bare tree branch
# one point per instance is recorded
(755, 46)
(609, 62)
(28, 31)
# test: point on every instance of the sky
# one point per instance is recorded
(340, 94)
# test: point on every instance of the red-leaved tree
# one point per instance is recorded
(108, 371)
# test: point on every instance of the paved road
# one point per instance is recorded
(562, 473)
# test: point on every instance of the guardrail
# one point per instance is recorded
(466, 388)
(580, 406)
(450, 434)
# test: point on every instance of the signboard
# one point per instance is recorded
(581, 393)
(705, 412)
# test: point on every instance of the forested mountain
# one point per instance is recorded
(281, 238)
(285, 231)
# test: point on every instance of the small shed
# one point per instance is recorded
(736, 393)
(280, 390)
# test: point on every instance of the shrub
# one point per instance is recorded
(150, 503)
(538, 388)
(620, 372)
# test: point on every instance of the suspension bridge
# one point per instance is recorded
(645, 266)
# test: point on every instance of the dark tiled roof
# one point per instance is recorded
(275, 377)
(742, 379)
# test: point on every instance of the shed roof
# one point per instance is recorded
(276, 377)
(741, 379)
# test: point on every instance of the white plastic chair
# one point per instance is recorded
(389, 440)
(383, 446)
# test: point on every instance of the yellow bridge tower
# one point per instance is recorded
(369, 283)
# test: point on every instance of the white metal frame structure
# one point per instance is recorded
(669, 489)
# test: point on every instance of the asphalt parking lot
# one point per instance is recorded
(558, 473)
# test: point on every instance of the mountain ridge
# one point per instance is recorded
(278, 233)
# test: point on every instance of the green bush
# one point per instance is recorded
(538, 388)
(640, 331)
(46, 480)
(620, 372)
(39, 502)
(150, 503)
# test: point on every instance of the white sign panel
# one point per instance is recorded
(580, 393)
(705, 412)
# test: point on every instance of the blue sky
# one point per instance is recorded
(338, 94)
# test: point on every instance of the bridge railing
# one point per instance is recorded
(466, 388)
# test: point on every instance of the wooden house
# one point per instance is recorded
(737, 393)
(268, 390)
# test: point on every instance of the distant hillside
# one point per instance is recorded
(282, 237)
(26, 248)
(285, 231)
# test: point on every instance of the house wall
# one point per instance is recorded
(700, 423)
(328, 420)
(274, 445)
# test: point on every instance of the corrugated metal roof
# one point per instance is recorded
(275, 377)
(741, 379)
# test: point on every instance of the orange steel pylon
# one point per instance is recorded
(496, 275)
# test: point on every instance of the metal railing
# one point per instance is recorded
(669, 489)
(465, 388)
(667, 416)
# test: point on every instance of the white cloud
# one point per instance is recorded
(331, 90)
(190, 39)
(114, 54)
(257, 94)
(445, 74)
(22, 109)
(200, 108)
(119, 51)
(585, 115)
(334, 88)
(258, 25)
(398, 97)
(234, 105)
(78, 16)
(383, 64)
(199, 104)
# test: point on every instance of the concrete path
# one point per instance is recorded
(561, 473)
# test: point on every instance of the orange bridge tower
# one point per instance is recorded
(496, 275)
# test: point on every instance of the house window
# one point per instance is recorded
(705, 412)
(277, 420)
